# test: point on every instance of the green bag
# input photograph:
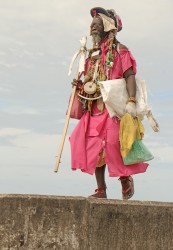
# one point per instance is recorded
(138, 153)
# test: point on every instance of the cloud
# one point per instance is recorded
(17, 110)
(30, 147)
(8, 65)
(2, 53)
(4, 89)
(13, 132)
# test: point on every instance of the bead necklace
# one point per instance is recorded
(102, 75)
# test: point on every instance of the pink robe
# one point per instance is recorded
(95, 133)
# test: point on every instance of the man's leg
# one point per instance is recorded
(100, 176)
(100, 192)
(127, 187)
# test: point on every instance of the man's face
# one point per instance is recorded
(97, 26)
(97, 32)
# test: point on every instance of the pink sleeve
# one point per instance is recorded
(127, 60)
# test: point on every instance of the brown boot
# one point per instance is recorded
(99, 193)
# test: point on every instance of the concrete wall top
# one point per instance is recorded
(55, 222)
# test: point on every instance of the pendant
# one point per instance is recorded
(95, 55)
(90, 88)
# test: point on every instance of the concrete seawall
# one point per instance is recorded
(35, 222)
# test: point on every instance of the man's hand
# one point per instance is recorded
(77, 83)
(131, 109)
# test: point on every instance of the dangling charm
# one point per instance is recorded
(110, 56)
(90, 88)
(109, 61)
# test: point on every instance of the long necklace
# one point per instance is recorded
(102, 75)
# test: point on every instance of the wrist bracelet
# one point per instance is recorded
(132, 99)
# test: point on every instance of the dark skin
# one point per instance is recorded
(97, 28)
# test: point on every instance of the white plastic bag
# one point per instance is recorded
(115, 97)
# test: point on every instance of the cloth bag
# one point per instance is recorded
(76, 110)
(115, 97)
(138, 153)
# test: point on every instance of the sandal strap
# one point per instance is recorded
(125, 178)
(125, 191)
(130, 188)
(100, 190)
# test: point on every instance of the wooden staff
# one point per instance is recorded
(81, 51)
(66, 126)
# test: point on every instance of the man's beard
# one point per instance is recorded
(96, 38)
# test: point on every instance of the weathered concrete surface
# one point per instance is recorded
(35, 222)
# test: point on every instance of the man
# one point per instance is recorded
(95, 140)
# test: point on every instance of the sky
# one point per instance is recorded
(38, 40)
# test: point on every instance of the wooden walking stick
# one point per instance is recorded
(81, 51)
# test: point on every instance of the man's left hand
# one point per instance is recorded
(131, 109)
